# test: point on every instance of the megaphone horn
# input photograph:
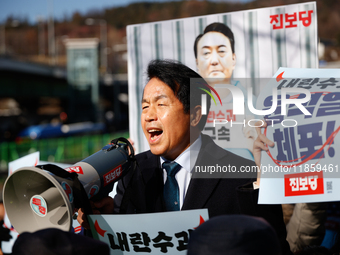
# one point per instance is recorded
(46, 196)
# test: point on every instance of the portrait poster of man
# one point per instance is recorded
(261, 41)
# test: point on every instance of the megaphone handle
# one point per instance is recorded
(56, 170)
(132, 151)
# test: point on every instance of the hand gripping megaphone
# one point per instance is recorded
(47, 196)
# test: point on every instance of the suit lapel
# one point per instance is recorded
(198, 193)
(150, 166)
(152, 191)
(201, 189)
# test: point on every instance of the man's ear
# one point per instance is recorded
(198, 70)
(195, 115)
(234, 60)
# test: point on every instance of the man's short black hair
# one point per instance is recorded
(217, 27)
(183, 81)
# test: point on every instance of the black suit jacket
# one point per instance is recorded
(219, 194)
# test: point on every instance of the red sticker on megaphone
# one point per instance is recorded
(42, 210)
(75, 169)
(112, 175)
(38, 205)
(93, 191)
(36, 201)
(68, 190)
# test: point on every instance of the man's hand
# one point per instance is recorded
(259, 145)
(103, 206)
(81, 218)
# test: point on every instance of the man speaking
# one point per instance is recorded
(164, 179)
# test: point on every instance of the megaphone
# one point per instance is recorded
(47, 196)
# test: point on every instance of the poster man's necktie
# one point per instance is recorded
(171, 190)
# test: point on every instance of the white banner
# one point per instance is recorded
(155, 233)
(265, 39)
(303, 166)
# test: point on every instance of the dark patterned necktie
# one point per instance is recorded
(171, 190)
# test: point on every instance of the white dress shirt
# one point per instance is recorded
(187, 160)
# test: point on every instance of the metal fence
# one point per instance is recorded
(62, 150)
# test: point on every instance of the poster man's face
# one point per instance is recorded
(215, 58)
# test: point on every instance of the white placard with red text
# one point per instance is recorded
(155, 233)
(304, 165)
(265, 40)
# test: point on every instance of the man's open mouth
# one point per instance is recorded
(155, 134)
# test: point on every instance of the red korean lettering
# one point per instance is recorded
(291, 19)
(230, 115)
(301, 184)
(220, 115)
(211, 117)
(306, 20)
(274, 19)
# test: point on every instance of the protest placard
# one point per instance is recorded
(265, 40)
(155, 233)
(303, 165)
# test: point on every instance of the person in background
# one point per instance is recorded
(52, 241)
(234, 235)
(306, 226)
